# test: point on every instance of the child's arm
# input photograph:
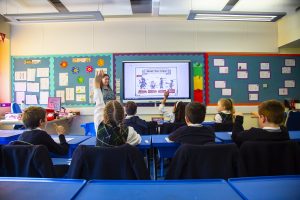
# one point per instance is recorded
(133, 137)
(98, 98)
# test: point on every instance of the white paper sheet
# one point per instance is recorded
(264, 74)
(289, 83)
(33, 87)
(286, 70)
(242, 66)
(20, 76)
(253, 87)
(290, 62)
(44, 82)
(42, 72)
(20, 96)
(220, 84)
(283, 91)
(31, 99)
(31, 74)
(226, 92)
(253, 97)
(44, 97)
(223, 70)
(91, 90)
(242, 74)
(63, 79)
(69, 94)
(61, 94)
(265, 66)
(99, 69)
(219, 62)
(80, 89)
(20, 86)
(80, 97)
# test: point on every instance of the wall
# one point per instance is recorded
(289, 29)
(5, 62)
(143, 35)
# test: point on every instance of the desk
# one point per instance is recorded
(276, 187)
(225, 137)
(73, 143)
(165, 150)
(7, 136)
(295, 135)
(38, 188)
(156, 190)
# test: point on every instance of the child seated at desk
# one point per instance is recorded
(270, 118)
(35, 119)
(224, 118)
(194, 132)
(139, 125)
(109, 121)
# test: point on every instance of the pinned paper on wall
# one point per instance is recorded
(283, 91)
(42, 72)
(61, 94)
(80, 89)
(223, 70)
(264, 74)
(80, 97)
(242, 66)
(253, 97)
(219, 62)
(31, 100)
(91, 90)
(226, 92)
(220, 84)
(290, 62)
(97, 71)
(70, 94)
(242, 74)
(20, 76)
(264, 66)
(20, 96)
(33, 87)
(31, 74)
(20, 86)
(44, 83)
(118, 86)
(286, 70)
(253, 87)
(44, 97)
(289, 83)
(63, 79)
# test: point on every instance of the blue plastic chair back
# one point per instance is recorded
(15, 108)
(293, 121)
(89, 129)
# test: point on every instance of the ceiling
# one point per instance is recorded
(127, 8)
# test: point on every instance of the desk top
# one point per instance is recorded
(150, 190)
(224, 136)
(73, 140)
(276, 187)
(145, 143)
(294, 135)
(20, 122)
(37, 188)
(7, 136)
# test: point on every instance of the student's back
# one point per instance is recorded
(139, 125)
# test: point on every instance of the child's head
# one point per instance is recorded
(195, 113)
(113, 113)
(130, 108)
(225, 104)
(179, 111)
(34, 117)
(270, 112)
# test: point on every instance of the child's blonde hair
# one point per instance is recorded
(113, 114)
(227, 104)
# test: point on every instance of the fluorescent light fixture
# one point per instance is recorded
(55, 17)
(235, 16)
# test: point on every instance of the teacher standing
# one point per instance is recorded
(108, 93)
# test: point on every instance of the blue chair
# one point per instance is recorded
(293, 121)
(89, 129)
(15, 108)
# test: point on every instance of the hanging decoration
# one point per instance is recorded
(100, 62)
(75, 70)
(64, 64)
(80, 79)
(89, 69)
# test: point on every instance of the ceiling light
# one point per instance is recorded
(235, 16)
(55, 17)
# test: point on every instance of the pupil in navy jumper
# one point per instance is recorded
(34, 119)
(225, 110)
(139, 125)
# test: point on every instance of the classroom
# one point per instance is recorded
(155, 99)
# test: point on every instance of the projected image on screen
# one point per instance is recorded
(149, 80)
(155, 81)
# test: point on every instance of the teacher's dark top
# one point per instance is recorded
(108, 94)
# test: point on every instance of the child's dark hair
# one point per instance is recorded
(273, 110)
(228, 104)
(179, 112)
(33, 116)
(130, 108)
(195, 112)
